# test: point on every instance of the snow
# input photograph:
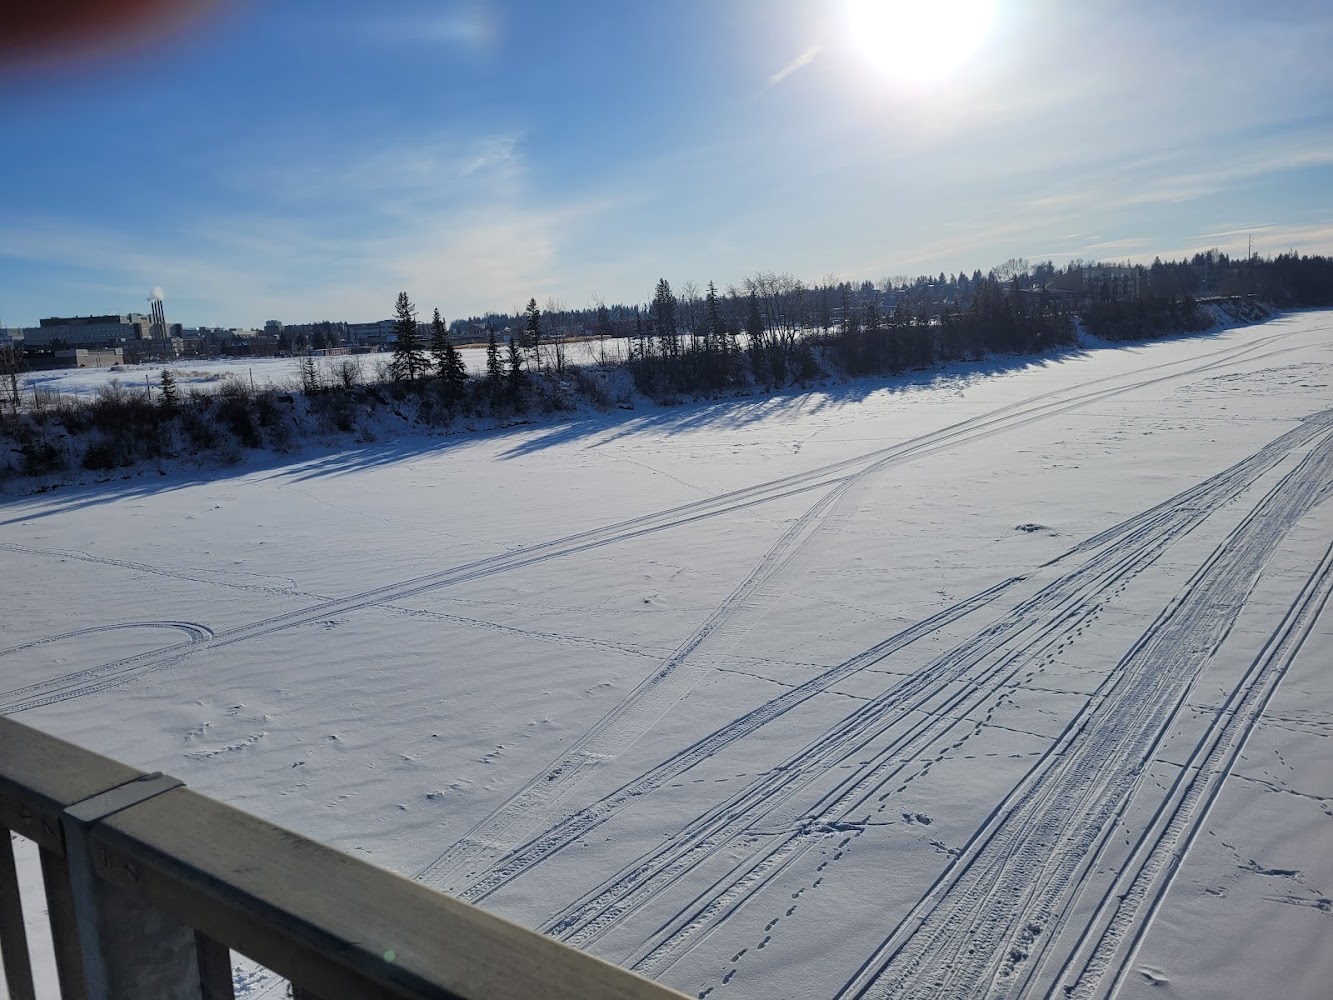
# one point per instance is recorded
(981, 684)
(209, 374)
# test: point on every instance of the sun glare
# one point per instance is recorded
(919, 41)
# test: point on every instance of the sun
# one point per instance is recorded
(919, 42)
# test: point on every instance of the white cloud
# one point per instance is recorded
(800, 62)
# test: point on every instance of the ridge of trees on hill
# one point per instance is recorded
(771, 332)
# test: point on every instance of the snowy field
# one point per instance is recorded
(1002, 683)
(210, 374)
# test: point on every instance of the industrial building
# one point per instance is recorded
(85, 330)
(95, 330)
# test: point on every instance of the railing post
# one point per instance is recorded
(64, 935)
(214, 968)
(130, 949)
(13, 935)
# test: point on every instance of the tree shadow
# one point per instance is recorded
(528, 435)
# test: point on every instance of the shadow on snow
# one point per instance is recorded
(538, 432)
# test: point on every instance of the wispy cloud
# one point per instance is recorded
(469, 25)
(456, 229)
(1269, 239)
(1127, 244)
(799, 63)
(495, 152)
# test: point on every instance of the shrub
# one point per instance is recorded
(41, 457)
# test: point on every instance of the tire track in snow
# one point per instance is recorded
(992, 911)
(580, 823)
(196, 632)
(219, 579)
(537, 801)
(1008, 417)
(1053, 617)
(1115, 931)
(1038, 623)
(912, 716)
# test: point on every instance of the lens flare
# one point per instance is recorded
(919, 42)
(45, 32)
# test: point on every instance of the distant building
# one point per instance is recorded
(74, 357)
(1111, 282)
(101, 331)
(371, 334)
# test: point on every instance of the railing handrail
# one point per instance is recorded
(333, 924)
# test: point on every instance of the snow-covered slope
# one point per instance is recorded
(997, 683)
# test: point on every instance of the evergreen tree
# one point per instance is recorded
(514, 375)
(171, 394)
(409, 357)
(494, 370)
(449, 365)
(603, 320)
(713, 328)
(663, 313)
(533, 329)
(309, 375)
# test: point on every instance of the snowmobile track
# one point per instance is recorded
(995, 907)
(584, 922)
(1008, 417)
(535, 803)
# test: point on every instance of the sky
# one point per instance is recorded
(304, 160)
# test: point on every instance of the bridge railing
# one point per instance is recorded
(149, 885)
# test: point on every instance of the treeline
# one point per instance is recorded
(787, 305)
(770, 332)
(328, 401)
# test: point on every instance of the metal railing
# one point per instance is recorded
(149, 884)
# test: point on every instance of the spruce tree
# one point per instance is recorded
(514, 376)
(663, 313)
(171, 394)
(309, 375)
(534, 332)
(449, 365)
(409, 358)
(494, 370)
(713, 329)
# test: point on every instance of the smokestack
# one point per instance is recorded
(158, 329)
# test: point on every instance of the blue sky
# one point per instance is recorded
(306, 159)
